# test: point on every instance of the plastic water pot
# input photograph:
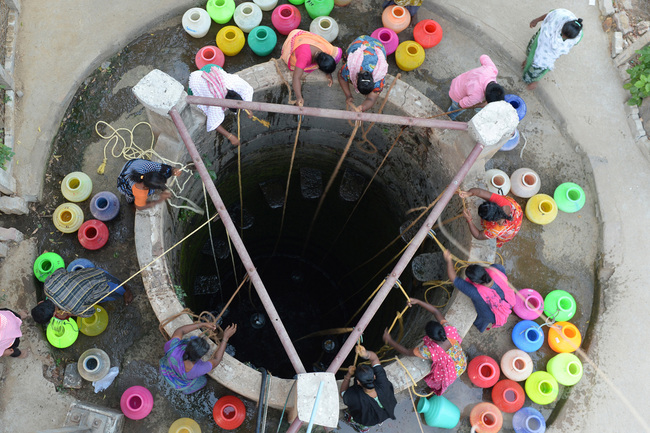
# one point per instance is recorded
(297, 2)
(80, 263)
(93, 364)
(541, 209)
(262, 40)
(196, 22)
(47, 263)
(104, 206)
(326, 27)
(247, 16)
(566, 368)
(569, 197)
(396, 18)
(486, 418)
(518, 104)
(439, 412)
(542, 388)
(230, 40)
(229, 412)
(68, 217)
(427, 33)
(93, 234)
(525, 183)
(220, 10)
(516, 365)
(319, 8)
(62, 333)
(529, 304)
(94, 325)
(513, 142)
(528, 420)
(136, 402)
(285, 18)
(564, 337)
(497, 181)
(527, 336)
(560, 305)
(409, 55)
(185, 425)
(209, 55)
(508, 396)
(483, 371)
(76, 186)
(266, 5)
(388, 38)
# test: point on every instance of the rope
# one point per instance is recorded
(149, 264)
(198, 318)
(364, 135)
(415, 410)
(241, 192)
(286, 83)
(214, 253)
(330, 182)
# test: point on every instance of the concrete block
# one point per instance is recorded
(7, 182)
(327, 413)
(643, 27)
(10, 234)
(97, 419)
(13, 205)
(71, 378)
(4, 249)
(631, 50)
(606, 7)
(493, 122)
(623, 22)
(617, 44)
(159, 92)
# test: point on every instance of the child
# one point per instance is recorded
(10, 333)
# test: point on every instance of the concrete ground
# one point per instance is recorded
(583, 105)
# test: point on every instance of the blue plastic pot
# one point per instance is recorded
(528, 336)
(512, 143)
(105, 206)
(439, 412)
(518, 104)
(528, 420)
(77, 264)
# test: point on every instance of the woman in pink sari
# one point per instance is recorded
(440, 345)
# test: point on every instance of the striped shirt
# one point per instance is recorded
(77, 291)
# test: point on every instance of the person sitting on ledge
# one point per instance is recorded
(182, 366)
(371, 400)
(74, 293)
(140, 178)
(440, 345)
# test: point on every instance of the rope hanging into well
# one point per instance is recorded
(364, 131)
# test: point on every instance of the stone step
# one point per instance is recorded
(311, 182)
(273, 191)
(352, 185)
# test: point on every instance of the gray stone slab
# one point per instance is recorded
(10, 234)
(71, 378)
(99, 419)
(617, 44)
(13, 205)
(606, 7)
(622, 21)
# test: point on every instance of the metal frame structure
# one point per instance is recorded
(406, 257)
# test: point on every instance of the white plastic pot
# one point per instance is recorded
(196, 22)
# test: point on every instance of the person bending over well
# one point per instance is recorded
(141, 178)
(365, 68)
(182, 366)
(475, 88)
(440, 345)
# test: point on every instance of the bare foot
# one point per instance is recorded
(532, 86)
(23, 354)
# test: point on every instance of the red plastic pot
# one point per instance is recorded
(209, 55)
(229, 412)
(483, 371)
(508, 396)
(93, 234)
(427, 33)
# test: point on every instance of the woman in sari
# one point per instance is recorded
(365, 69)
(304, 52)
(440, 345)
(560, 31)
(501, 216)
(212, 81)
(489, 291)
(182, 366)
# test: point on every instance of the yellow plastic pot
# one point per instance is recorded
(76, 186)
(409, 55)
(68, 217)
(185, 425)
(541, 209)
(94, 325)
(230, 40)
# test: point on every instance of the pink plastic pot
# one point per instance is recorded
(388, 38)
(209, 55)
(285, 18)
(530, 305)
(136, 402)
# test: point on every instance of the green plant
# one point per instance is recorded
(5, 154)
(639, 85)
(180, 294)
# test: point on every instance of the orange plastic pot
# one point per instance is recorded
(483, 371)
(486, 418)
(564, 337)
(396, 18)
(229, 412)
(508, 396)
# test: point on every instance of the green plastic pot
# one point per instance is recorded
(62, 333)
(566, 368)
(560, 305)
(46, 264)
(542, 388)
(569, 197)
